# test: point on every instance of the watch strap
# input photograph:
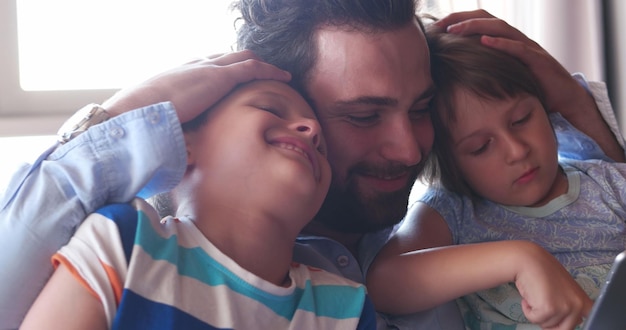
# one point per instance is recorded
(84, 118)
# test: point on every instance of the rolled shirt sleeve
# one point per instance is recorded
(139, 153)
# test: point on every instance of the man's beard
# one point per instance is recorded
(347, 210)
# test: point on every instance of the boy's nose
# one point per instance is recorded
(311, 128)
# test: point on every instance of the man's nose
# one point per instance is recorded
(402, 142)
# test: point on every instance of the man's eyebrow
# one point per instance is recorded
(368, 100)
(384, 101)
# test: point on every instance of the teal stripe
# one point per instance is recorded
(334, 301)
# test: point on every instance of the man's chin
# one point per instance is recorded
(345, 213)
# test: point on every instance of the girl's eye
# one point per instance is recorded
(481, 149)
(522, 120)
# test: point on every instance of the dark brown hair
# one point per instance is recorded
(282, 32)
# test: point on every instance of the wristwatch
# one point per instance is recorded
(84, 118)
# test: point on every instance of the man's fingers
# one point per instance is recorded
(255, 69)
(512, 47)
(461, 16)
(231, 58)
(222, 59)
(487, 26)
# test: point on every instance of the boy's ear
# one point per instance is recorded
(190, 148)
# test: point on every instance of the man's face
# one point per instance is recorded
(371, 93)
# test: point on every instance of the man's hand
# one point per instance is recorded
(563, 93)
(195, 86)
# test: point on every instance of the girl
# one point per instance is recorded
(500, 181)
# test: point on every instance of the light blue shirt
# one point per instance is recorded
(141, 153)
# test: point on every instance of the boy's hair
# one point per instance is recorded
(463, 62)
(282, 32)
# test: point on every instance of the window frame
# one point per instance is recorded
(32, 112)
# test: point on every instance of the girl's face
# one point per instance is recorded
(260, 151)
(506, 149)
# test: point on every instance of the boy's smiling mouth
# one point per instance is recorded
(300, 148)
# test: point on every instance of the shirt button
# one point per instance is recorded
(154, 117)
(343, 261)
(117, 132)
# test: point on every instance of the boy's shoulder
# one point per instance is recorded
(124, 212)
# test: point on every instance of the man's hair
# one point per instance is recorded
(282, 32)
(463, 62)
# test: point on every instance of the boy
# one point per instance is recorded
(256, 173)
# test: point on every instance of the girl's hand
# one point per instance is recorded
(551, 297)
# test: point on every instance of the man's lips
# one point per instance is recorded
(386, 182)
(301, 148)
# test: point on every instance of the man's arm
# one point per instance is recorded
(141, 152)
(46, 201)
(563, 93)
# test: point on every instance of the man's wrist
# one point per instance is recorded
(82, 120)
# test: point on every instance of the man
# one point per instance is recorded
(364, 67)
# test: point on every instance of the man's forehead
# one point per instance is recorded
(371, 66)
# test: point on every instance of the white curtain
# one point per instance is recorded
(616, 67)
(571, 30)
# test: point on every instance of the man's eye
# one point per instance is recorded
(361, 120)
(419, 114)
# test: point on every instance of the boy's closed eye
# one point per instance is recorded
(269, 108)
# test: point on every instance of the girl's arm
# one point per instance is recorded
(418, 269)
(65, 304)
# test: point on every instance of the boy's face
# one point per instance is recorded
(506, 149)
(261, 151)
(371, 92)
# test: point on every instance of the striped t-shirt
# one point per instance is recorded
(153, 274)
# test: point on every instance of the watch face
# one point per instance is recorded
(79, 122)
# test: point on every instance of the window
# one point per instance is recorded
(60, 55)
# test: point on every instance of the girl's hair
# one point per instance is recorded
(463, 62)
